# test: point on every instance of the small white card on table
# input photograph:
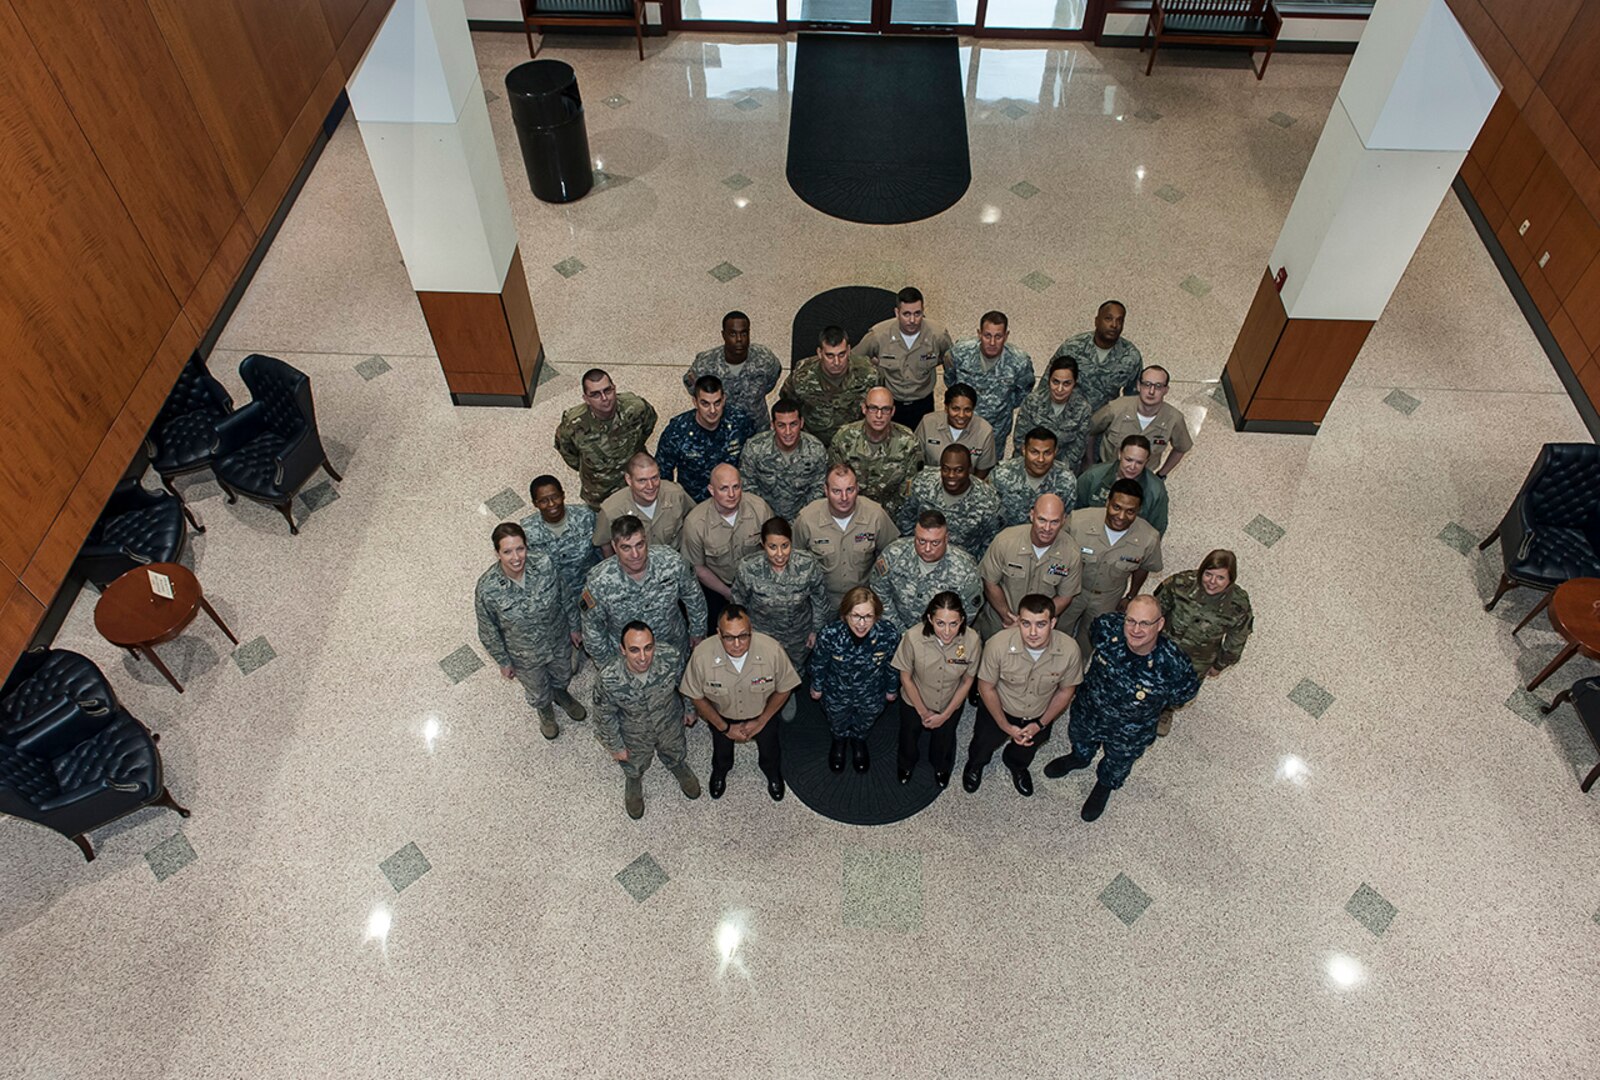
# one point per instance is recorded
(160, 584)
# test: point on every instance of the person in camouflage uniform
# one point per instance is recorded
(785, 466)
(697, 441)
(852, 676)
(913, 568)
(1002, 374)
(748, 373)
(785, 592)
(1019, 481)
(638, 713)
(1094, 486)
(523, 626)
(1056, 406)
(566, 534)
(641, 581)
(884, 454)
(1208, 617)
(831, 386)
(1136, 674)
(972, 510)
(598, 437)
(1108, 363)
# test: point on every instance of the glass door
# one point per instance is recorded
(935, 16)
(833, 14)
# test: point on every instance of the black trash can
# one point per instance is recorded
(548, 113)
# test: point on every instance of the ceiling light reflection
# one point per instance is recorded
(1138, 172)
(378, 924)
(741, 202)
(1346, 971)
(432, 728)
(1293, 769)
(729, 938)
(989, 215)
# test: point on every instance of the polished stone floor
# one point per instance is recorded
(1360, 853)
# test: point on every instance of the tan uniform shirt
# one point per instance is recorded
(933, 435)
(1107, 566)
(1011, 564)
(846, 555)
(907, 372)
(1168, 430)
(672, 504)
(708, 540)
(1026, 685)
(738, 695)
(936, 669)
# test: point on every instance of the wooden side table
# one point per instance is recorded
(1575, 615)
(130, 614)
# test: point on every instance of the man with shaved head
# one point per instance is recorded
(885, 455)
(1137, 674)
(1039, 557)
(718, 533)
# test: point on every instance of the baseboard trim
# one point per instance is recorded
(499, 401)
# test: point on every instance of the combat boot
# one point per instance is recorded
(569, 704)
(687, 781)
(547, 722)
(633, 797)
(1095, 804)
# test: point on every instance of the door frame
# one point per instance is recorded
(1093, 21)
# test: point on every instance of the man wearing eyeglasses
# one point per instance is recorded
(599, 436)
(1148, 415)
(738, 681)
(885, 455)
(1136, 674)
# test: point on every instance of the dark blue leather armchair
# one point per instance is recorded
(269, 449)
(183, 438)
(137, 527)
(71, 758)
(1551, 534)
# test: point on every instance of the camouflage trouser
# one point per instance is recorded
(665, 740)
(1124, 743)
(540, 677)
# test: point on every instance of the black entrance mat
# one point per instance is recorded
(875, 797)
(854, 308)
(878, 127)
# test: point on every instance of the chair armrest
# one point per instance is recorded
(57, 729)
(1274, 20)
(1516, 532)
(236, 429)
(219, 396)
(298, 459)
(68, 800)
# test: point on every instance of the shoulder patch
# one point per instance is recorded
(587, 600)
(881, 566)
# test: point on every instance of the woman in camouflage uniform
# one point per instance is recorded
(851, 673)
(786, 594)
(1056, 406)
(1208, 616)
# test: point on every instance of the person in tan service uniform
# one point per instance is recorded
(718, 533)
(844, 531)
(1040, 557)
(738, 681)
(1148, 415)
(958, 425)
(938, 665)
(907, 350)
(1119, 550)
(660, 504)
(1026, 680)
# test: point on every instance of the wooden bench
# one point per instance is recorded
(1253, 23)
(537, 14)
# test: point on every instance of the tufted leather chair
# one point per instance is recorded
(184, 435)
(71, 757)
(137, 527)
(269, 449)
(1551, 534)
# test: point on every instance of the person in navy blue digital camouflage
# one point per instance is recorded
(695, 442)
(851, 674)
(1135, 675)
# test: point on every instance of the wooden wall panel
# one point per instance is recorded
(250, 66)
(1312, 358)
(20, 615)
(1571, 82)
(1514, 162)
(113, 67)
(518, 307)
(291, 153)
(1535, 30)
(1263, 325)
(341, 15)
(1583, 305)
(1534, 212)
(82, 296)
(362, 31)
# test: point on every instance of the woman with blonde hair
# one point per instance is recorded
(1208, 616)
(851, 674)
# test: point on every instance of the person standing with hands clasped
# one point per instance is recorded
(851, 676)
(938, 663)
(737, 681)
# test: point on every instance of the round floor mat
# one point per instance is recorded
(856, 308)
(875, 797)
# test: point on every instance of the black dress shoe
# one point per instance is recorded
(717, 785)
(1095, 804)
(1022, 781)
(836, 755)
(775, 788)
(863, 763)
(942, 779)
(905, 775)
(971, 778)
(1061, 766)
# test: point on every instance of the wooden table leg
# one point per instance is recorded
(1540, 606)
(156, 660)
(213, 613)
(1550, 669)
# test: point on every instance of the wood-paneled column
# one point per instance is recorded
(420, 107)
(1412, 102)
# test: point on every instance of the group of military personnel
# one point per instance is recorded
(853, 533)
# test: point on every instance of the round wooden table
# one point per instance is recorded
(130, 614)
(1575, 614)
